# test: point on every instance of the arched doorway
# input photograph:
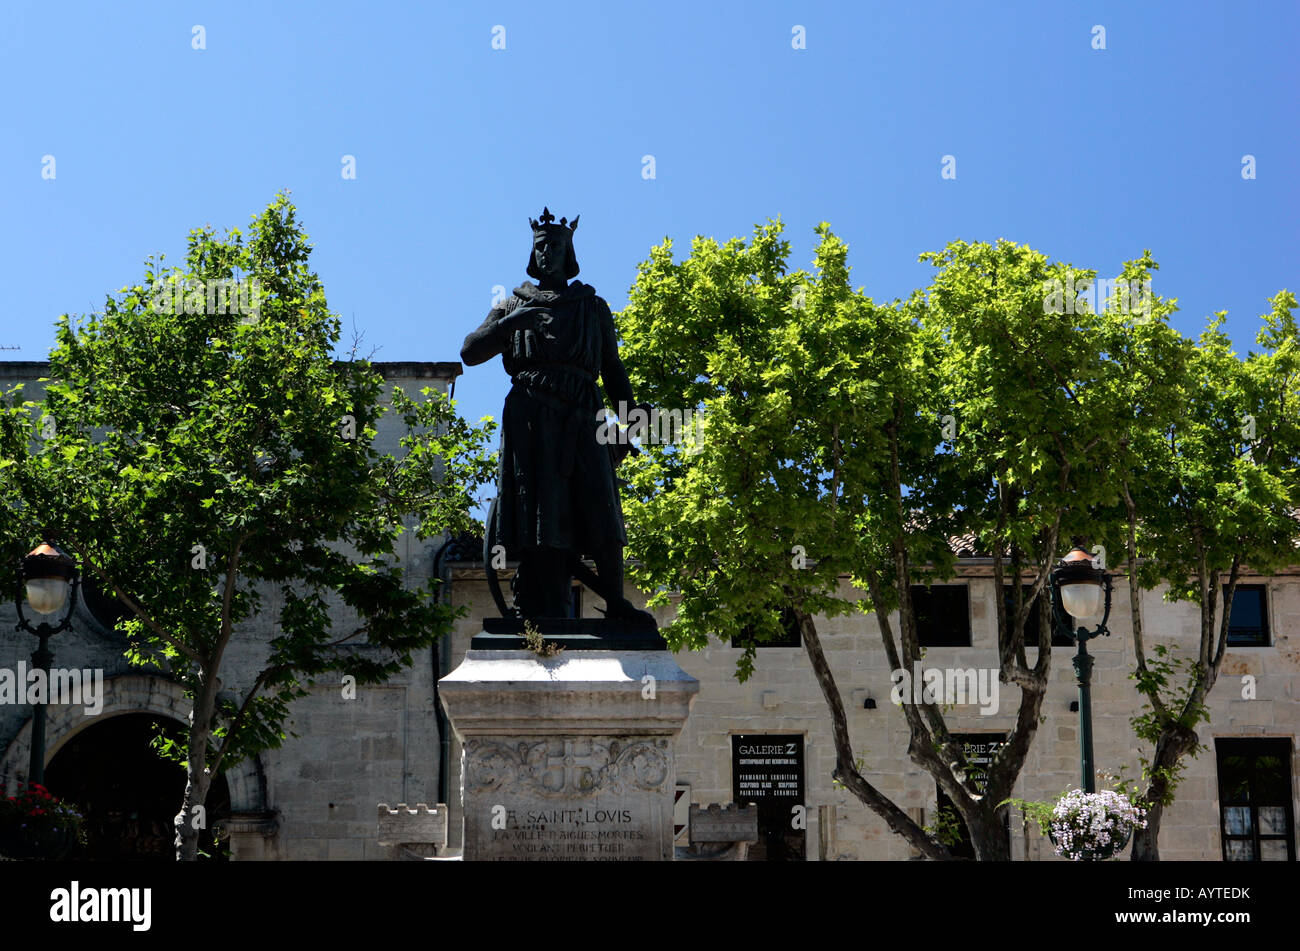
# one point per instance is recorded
(127, 792)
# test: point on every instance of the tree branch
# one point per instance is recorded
(180, 646)
(846, 771)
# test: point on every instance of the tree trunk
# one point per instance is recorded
(197, 778)
(1146, 844)
(988, 834)
(1175, 741)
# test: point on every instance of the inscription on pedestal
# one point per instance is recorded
(568, 798)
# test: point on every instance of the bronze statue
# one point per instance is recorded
(557, 500)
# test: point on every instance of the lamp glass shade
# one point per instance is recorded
(1082, 599)
(47, 595)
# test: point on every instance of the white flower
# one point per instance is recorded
(1086, 824)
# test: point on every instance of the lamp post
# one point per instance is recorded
(49, 580)
(1078, 587)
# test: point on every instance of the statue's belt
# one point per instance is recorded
(572, 384)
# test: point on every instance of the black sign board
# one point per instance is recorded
(980, 749)
(767, 767)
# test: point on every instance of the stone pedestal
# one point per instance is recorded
(568, 758)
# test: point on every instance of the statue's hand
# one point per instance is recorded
(523, 318)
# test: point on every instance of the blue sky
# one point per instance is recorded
(1088, 155)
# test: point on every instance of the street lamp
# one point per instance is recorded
(49, 579)
(1078, 590)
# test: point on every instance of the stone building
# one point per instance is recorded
(315, 797)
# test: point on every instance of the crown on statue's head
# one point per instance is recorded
(546, 227)
(546, 223)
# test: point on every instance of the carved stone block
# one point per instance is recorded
(568, 758)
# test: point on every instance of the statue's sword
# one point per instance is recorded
(489, 542)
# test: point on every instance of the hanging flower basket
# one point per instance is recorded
(1093, 827)
(36, 825)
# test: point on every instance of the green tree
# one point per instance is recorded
(846, 439)
(1210, 493)
(202, 460)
